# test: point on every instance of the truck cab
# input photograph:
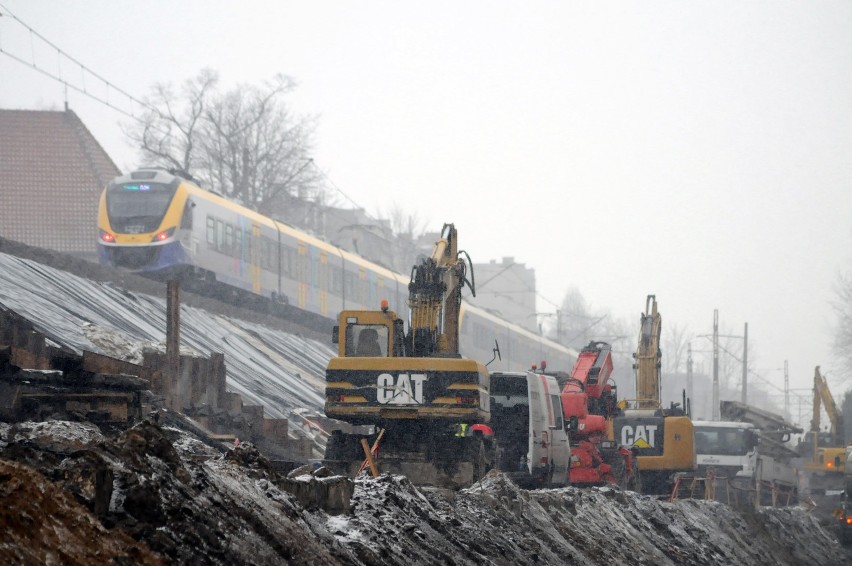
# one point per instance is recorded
(728, 447)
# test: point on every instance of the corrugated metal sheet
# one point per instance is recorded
(268, 367)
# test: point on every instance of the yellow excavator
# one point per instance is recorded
(414, 387)
(824, 452)
(663, 439)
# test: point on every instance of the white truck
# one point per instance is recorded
(732, 450)
(748, 452)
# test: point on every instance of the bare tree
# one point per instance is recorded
(244, 143)
(676, 338)
(575, 319)
(404, 224)
(167, 133)
(578, 323)
(255, 150)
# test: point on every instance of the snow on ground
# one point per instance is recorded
(56, 435)
(495, 522)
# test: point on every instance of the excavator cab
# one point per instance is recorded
(378, 334)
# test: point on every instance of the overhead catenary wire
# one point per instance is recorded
(754, 373)
(5, 12)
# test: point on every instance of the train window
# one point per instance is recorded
(272, 252)
(220, 235)
(287, 261)
(335, 280)
(380, 289)
(349, 285)
(211, 231)
(265, 252)
(229, 239)
(361, 290)
(322, 282)
(238, 243)
(313, 263)
(302, 268)
(480, 336)
(133, 202)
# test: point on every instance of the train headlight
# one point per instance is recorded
(164, 235)
(107, 237)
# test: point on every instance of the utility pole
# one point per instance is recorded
(172, 388)
(786, 392)
(689, 372)
(715, 364)
(745, 365)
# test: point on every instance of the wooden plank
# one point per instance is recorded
(366, 446)
(98, 363)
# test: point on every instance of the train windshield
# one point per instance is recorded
(138, 207)
(723, 441)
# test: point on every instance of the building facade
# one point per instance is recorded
(52, 172)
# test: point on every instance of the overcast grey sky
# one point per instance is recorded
(700, 151)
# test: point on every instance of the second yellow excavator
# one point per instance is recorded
(662, 438)
(824, 452)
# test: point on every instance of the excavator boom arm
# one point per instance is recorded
(435, 297)
(823, 397)
(648, 355)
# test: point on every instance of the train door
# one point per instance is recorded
(254, 256)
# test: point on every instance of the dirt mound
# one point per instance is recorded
(40, 523)
(155, 493)
(188, 504)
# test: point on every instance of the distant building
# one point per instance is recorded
(507, 289)
(52, 172)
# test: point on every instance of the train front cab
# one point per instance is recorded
(138, 220)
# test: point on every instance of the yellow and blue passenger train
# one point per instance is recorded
(156, 222)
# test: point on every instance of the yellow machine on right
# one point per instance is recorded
(663, 439)
(824, 452)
